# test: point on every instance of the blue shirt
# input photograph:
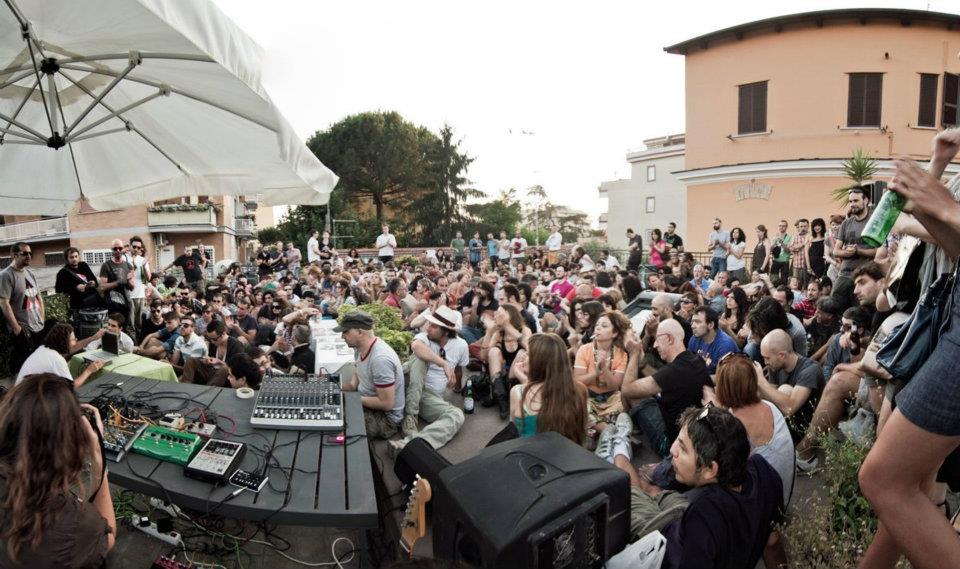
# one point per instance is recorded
(704, 283)
(476, 246)
(712, 352)
(492, 247)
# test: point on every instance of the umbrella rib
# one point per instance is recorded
(100, 97)
(73, 157)
(112, 56)
(17, 113)
(78, 138)
(24, 24)
(114, 114)
(159, 85)
(14, 121)
(131, 126)
(11, 132)
(16, 79)
(43, 97)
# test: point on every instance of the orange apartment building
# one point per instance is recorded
(773, 108)
(224, 225)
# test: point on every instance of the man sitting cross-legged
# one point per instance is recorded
(160, 344)
(439, 356)
(727, 519)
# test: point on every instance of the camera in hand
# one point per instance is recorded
(854, 341)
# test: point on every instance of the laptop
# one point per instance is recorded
(109, 349)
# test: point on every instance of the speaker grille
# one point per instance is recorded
(575, 541)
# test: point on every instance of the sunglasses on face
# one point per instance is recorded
(117, 248)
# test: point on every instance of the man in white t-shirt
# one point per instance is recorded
(518, 247)
(503, 248)
(439, 356)
(141, 276)
(313, 247)
(554, 243)
(385, 244)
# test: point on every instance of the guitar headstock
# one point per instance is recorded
(414, 524)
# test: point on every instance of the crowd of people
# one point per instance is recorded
(730, 376)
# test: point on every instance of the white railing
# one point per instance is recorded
(243, 225)
(173, 218)
(33, 229)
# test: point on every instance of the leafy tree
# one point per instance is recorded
(439, 209)
(494, 216)
(378, 155)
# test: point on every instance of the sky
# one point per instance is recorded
(551, 93)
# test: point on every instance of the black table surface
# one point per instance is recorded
(311, 482)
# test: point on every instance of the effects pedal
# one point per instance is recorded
(171, 421)
(216, 461)
(117, 440)
(167, 444)
(205, 430)
(164, 562)
(248, 480)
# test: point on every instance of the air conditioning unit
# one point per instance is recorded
(160, 239)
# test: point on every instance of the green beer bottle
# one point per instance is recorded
(884, 216)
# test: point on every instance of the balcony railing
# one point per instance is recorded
(185, 221)
(244, 226)
(40, 229)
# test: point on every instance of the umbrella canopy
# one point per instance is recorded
(124, 102)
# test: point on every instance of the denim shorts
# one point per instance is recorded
(931, 400)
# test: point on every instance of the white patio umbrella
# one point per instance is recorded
(125, 102)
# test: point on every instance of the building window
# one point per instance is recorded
(927, 116)
(651, 204)
(951, 99)
(54, 259)
(863, 100)
(651, 173)
(752, 115)
(97, 257)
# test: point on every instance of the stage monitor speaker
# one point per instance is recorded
(538, 502)
(418, 457)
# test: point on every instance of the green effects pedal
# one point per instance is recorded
(167, 445)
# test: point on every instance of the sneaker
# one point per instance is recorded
(624, 426)
(410, 426)
(808, 466)
(395, 446)
(605, 444)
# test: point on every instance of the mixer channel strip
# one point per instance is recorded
(293, 402)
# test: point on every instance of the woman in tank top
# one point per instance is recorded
(761, 253)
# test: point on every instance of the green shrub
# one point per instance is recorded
(411, 260)
(834, 528)
(387, 325)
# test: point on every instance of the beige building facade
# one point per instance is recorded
(652, 197)
(774, 107)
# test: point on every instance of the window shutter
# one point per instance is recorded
(927, 115)
(864, 99)
(951, 83)
(752, 108)
(744, 121)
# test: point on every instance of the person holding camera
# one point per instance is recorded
(77, 281)
(55, 513)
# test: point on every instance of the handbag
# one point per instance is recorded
(910, 345)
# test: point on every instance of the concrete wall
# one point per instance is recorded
(627, 201)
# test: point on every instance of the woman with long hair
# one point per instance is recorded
(658, 249)
(814, 251)
(735, 311)
(504, 342)
(736, 264)
(50, 517)
(551, 400)
(600, 366)
(762, 257)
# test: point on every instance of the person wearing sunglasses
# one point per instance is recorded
(735, 501)
(188, 345)
(116, 280)
(21, 304)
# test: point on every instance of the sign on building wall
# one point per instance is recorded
(752, 191)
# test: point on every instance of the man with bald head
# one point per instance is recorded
(662, 308)
(792, 382)
(116, 281)
(679, 384)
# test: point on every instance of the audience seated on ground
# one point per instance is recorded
(792, 382)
